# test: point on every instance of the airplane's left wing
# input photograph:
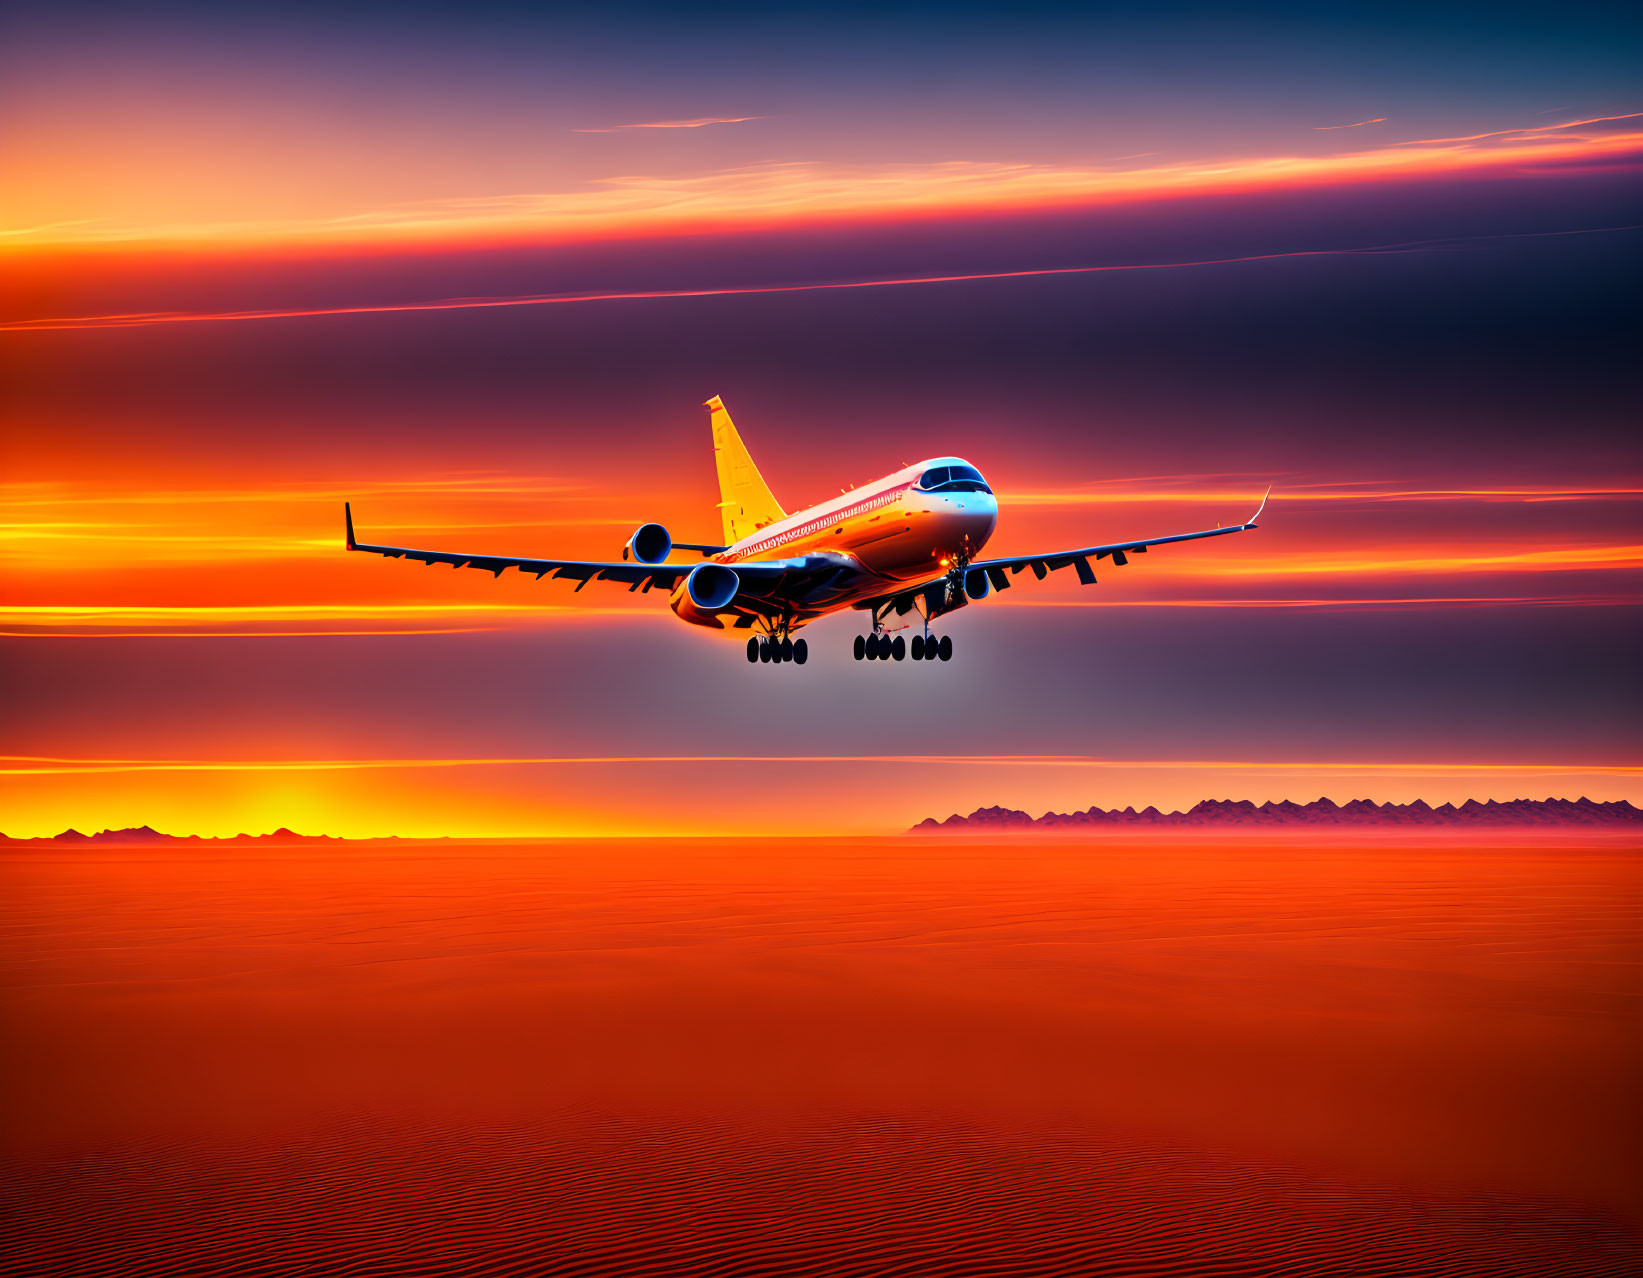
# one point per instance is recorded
(636, 576)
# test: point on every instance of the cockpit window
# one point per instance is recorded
(953, 479)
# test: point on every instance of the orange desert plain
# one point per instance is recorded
(904, 1056)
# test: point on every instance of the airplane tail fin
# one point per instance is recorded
(745, 500)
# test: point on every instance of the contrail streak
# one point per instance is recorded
(147, 319)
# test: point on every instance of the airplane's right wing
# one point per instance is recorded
(1118, 552)
(999, 571)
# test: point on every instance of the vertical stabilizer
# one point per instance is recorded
(745, 500)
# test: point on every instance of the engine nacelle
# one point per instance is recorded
(976, 585)
(649, 545)
(711, 587)
(704, 594)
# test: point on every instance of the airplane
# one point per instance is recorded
(902, 544)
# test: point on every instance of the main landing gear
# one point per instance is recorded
(879, 646)
(929, 648)
(778, 650)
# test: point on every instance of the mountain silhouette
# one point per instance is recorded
(147, 834)
(1227, 813)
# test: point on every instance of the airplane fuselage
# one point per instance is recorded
(907, 526)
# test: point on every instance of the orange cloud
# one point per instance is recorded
(1419, 559)
(109, 559)
(797, 193)
(1539, 130)
(1095, 495)
(677, 124)
(1325, 128)
(42, 765)
(320, 621)
(1351, 604)
(147, 319)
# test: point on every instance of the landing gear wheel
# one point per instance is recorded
(787, 650)
(764, 650)
(945, 647)
(801, 652)
(883, 646)
(898, 648)
(861, 647)
(753, 651)
(918, 647)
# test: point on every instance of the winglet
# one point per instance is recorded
(348, 522)
(1259, 508)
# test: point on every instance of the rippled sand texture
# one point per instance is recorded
(823, 1058)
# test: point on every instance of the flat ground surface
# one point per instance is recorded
(906, 1056)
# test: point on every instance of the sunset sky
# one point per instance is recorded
(476, 269)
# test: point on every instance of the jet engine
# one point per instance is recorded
(975, 584)
(711, 587)
(704, 593)
(649, 545)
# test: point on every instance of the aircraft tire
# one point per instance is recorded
(787, 650)
(861, 647)
(753, 651)
(898, 648)
(918, 648)
(764, 651)
(801, 652)
(945, 647)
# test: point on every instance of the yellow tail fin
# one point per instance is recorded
(746, 501)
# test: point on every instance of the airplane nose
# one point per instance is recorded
(985, 515)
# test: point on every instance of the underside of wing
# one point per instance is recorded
(635, 576)
(766, 586)
(981, 576)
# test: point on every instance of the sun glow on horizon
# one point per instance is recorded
(581, 796)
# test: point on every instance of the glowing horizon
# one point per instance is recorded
(220, 798)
